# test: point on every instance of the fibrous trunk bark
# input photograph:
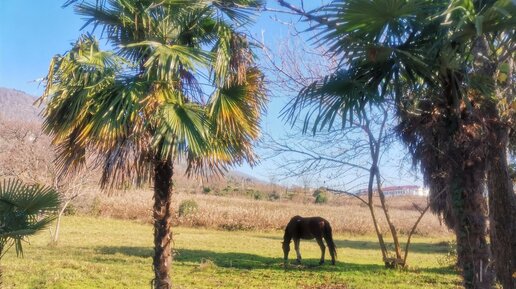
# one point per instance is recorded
(502, 201)
(502, 211)
(1, 269)
(163, 171)
(470, 229)
(449, 139)
(466, 164)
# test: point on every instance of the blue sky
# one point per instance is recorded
(31, 32)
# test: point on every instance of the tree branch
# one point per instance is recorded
(309, 16)
(417, 223)
(346, 193)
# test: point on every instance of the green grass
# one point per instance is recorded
(107, 253)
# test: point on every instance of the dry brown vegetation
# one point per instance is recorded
(346, 214)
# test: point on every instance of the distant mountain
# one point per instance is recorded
(17, 105)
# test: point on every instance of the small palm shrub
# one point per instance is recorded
(24, 211)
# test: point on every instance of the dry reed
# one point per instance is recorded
(345, 214)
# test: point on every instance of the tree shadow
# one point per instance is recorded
(243, 261)
(247, 261)
(415, 247)
(140, 252)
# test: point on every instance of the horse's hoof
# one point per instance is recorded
(321, 262)
(298, 262)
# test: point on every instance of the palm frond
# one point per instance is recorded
(340, 95)
(166, 61)
(31, 199)
(181, 127)
(236, 108)
(239, 10)
(24, 211)
(232, 56)
(144, 100)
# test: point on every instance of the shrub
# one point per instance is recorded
(206, 190)
(274, 196)
(187, 207)
(96, 207)
(321, 197)
(70, 210)
(450, 259)
(257, 195)
(317, 192)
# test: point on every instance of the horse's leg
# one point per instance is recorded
(331, 247)
(323, 249)
(296, 244)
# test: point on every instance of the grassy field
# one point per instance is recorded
(108, 253)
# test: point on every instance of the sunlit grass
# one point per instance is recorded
(107, 253)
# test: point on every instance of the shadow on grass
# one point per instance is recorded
(140, 252)
(251, 261)
(246, 261)
(415, 247)
(238, 260)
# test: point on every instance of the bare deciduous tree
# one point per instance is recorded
(343, 156)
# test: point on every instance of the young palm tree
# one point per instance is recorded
(421, 55)
(23, 212)
(178, 82)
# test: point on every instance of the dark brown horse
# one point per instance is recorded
(309, 228)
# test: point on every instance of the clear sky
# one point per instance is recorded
(32, 31)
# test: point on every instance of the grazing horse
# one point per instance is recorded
(309, 228)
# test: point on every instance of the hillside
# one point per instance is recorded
(16, 105)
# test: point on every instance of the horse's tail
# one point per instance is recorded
(329, 239)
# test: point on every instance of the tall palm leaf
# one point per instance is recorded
(178, 83)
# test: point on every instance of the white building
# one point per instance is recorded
(401, 191)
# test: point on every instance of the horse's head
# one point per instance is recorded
(286, 249)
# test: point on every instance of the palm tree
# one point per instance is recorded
(23, 212)
(177, 83)
(423, 57)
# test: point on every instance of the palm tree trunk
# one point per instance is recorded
(502, 211)
(163, 171)
(469, 210)
(502, 201)
(1, 269)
